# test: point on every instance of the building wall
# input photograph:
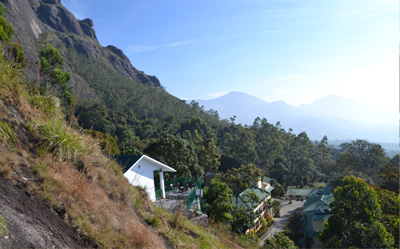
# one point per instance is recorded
(318, 225)
(143, 175)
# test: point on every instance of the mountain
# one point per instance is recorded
(337, 117)
(58, 188)
(113, 96)
(48, 21)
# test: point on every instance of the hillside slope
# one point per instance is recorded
(114, 97)
(31, 222)
(57, 187)
(44, 17)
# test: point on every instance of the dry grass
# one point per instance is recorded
(87, 189)
(8, 162)
(82, 184)
(102, 213)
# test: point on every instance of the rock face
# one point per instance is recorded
(59, 18)
(31, 223)
(87, 28)
(48, 21)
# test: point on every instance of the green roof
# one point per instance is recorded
(318, 203)
(316, 208)
(261, 194)
(267, 179)
(327, 190)
(304, 191)
(269, 189)
(310, 200)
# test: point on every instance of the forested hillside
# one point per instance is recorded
(57, 186)
(118, 102)
(80, 104)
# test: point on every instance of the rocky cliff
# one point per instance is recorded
(37, 22)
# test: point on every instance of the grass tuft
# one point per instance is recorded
(4, 233)
(56, 137)
(7, 162)
(8, 135)
(47, 103)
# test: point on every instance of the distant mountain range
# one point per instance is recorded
(337, 117)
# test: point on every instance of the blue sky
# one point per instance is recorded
(291, 50)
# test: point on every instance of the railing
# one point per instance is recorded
(191, 197)
(188, 182)
(158, 195)
(198, 206)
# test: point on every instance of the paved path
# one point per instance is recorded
(279, 222)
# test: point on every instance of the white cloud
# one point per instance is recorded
(180, 43)
(133, 49)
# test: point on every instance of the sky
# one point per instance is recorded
(291, 50)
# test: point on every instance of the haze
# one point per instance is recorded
(290, 50)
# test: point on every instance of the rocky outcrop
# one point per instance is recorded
(59, 18)
(44, 17)
(87, 28)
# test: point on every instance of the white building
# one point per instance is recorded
(141, 170)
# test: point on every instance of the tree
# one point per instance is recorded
(243, 219)
(177, 153)
(208, 157)
(280, 241)
(362, 157)
(389, 202)
(52, 62)
(6, 31)
(295, 227)
(278, 190)
(15, 52)
(276, 205)
(279, 170)
(355, 218)
(239, 179)
(219, 201)
(389, 175)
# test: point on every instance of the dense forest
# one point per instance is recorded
(146, 119)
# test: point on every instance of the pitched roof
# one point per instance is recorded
(304, 191)
(318, 203)
(241, 202)
(267, 179)
(316, 208)
(269, 189)
(327, 190)
(128, 161)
